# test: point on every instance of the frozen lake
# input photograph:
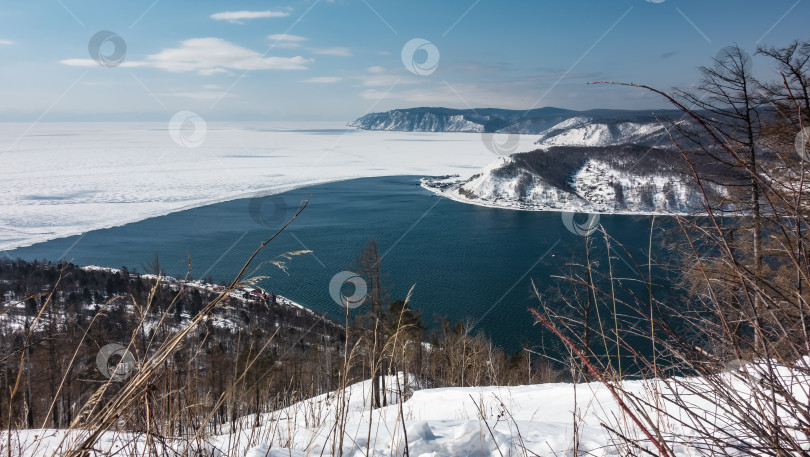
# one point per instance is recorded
(64, 179)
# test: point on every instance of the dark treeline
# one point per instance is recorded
(75, 312)
(55, 318)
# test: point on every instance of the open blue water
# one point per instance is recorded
(466, 261)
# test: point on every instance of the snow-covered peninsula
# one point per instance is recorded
(616, 179)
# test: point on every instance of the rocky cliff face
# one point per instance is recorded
(401, 121)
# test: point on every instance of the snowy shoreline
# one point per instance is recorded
(252, 194)
(450, 191)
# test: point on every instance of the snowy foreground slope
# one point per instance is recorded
(64, 179)
(487, 421)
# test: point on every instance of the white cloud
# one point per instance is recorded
(6, 42)
(208, 56)
(380, 77)
(462, 95)
(202, 95)
(324, 79)
(430, 96)
(80, 62)
(237, 17)
(283, 40)
(385, 80)
(335, 51)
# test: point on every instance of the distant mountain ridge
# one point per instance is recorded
(554, 126)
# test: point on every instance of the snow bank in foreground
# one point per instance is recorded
(483, 421)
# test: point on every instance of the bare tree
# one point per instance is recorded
(728, 104)
(793, 63)
(368, 265)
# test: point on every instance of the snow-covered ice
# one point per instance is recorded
(62, 179)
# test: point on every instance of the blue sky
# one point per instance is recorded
(341, 58)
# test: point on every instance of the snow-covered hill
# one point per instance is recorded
(419, 122)
(554, 126)
(587, 131)
(615, 179)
